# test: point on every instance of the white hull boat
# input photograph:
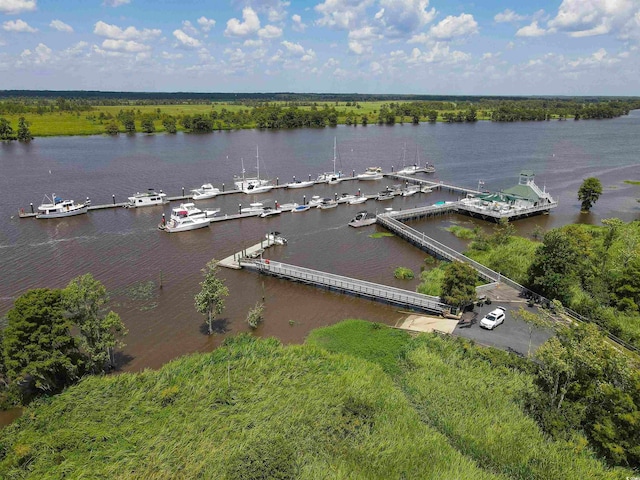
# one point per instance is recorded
(334, 177)
(194, 212)
(250, 185)
(147, 199)
(358, 200)
(412, 190)
(300, 184)
(372, 173)
(253, 208)
(179, 223)
(409, 170)
(346, 198)
(276, 238)
(362, 219)
(315, 201)
(205, 191)
(287, 207)
(56, 207)
(301, 208)
(268, 211)
(328, 203)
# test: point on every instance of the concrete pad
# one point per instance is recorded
(425, 323)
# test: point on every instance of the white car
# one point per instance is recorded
(492, 319)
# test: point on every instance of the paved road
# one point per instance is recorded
(512, 334)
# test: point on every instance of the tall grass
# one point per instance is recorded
(251, 409)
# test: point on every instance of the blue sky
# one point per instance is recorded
(566, 47)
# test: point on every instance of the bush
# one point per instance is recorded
(403, 273)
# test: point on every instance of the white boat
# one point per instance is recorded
(362, 219)
(276, 238)
(268, 211)
(300, 184)
(195, 212)
(410, 190)
(286, 207)
(372, 173)
(256, 207)
(409, 170)
(358, 200)
(147, 199)
(56, 207)
(328, 203)
(205, 191)
(331, 177)
(315, 201)
(346, 198)
(255, 184)
(385, 195)
(301, 208)
(180, 221)
(426, 189)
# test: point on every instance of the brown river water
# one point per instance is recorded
(124, 249)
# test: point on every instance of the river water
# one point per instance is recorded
(125, 250)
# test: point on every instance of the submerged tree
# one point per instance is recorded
(24, 134)
(255, 315)
(210, 300)
(589, 193)
(6, 131)
(85, 300)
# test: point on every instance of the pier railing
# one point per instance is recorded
(350, 285)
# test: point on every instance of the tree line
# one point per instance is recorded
(22, 134)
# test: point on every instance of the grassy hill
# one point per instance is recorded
(358, 401)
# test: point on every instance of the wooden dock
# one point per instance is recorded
(233, 261)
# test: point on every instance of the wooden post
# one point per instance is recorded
(223, 187)
(31, 205)
(161, 279)
(113, 197)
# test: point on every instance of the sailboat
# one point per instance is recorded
(253, 184)
(331, 177)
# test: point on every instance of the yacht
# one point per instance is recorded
(358, 200)
(301, 208)
(194, 212)
(56, 207)
(300, 184)
(385, 195)
(276, 238)
(411, 190)
(252, 184)
(331, 177)
(362, 219)
(256, 207)
(147, 199)
(315, 201)
(268, 211)
(286, 207)
(346, 198)
(327, 203)
(372, 173)
(205, 191)
(181, 221)
(409, 170)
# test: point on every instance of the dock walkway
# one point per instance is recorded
(373, 291)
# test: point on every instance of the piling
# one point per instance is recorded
(113, 198)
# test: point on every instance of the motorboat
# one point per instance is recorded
(205, 191)
(147, 199)
(411, 190)
(426, 189)
(362, 219)
(286, 207)
(429, 168)
(301, 208)
(385, 195)
(328, 203)
(358, 200)
(371, 173)
(268, 211)
(276, 238)
(56, 207)
(195, 212)
(181, 221)
(250, 185)
(346, 198)
(331, 177)
(300, 184)
(315, 201)
(256, 207)
(409, 170)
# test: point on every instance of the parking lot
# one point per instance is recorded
(512, 334)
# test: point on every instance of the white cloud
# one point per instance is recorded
(599, 58)
(13, 7)
(294, 49)
(249, 26)
(188, 28)
(531, 31)
(580, 18)
(270, 31)
(510, 46)
(439, 53)
(361, 40)
(75, 50)
(130, 33)
(61, 26)
(376, 68)
(18, 26)
(171, 56)
(124, 45)
(402, 17)
(298, 26)
(185, 40)
(508, 16)
(206, 24)
(40, 55)
(342, 14)
(451, 27)
(252, 43)
(115, 3)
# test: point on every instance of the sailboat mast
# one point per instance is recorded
(257, 162)
(334, 154)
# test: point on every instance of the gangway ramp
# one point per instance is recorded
(373, 291)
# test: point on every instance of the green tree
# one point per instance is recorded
(169, 124)
(38, 349)
(210, 300)
(502, 232)
(6, 131)
(147, 124)
(128, 121)
(111, 128)
(256, 315)
(365, 120)
(24, 134)
(432, 116)
(459, 284)
(85, 300)
(589, 193)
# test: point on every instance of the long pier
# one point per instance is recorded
(373, 291)
(432, 184)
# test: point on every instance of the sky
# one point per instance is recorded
(438, 47)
